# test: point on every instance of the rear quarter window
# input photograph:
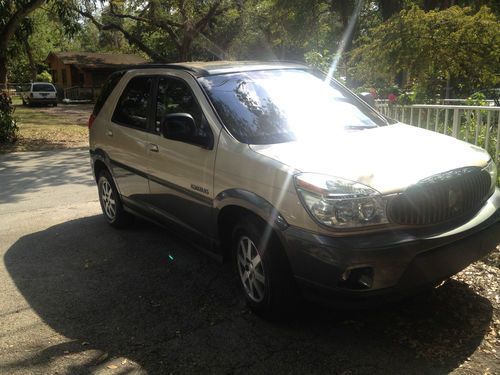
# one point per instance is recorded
(106, 90)
(133, 107)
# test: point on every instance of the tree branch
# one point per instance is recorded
(212, 12)
(162, 24)
(131, 38)
(11, 26)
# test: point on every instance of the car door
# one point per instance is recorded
(181, 170)
(128, 138)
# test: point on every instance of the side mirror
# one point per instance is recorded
(367, 98)
(181, 127)
(178, 126)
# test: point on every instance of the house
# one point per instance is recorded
(81, 74)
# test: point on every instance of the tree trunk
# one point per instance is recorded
(389, 7)
(7, 31)
(3, 70)
(185, 49)
(31, 60)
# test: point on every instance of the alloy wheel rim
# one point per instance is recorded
(108, 202)
(251, 269)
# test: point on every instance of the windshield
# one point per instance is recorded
(274, 106)
(39, 87)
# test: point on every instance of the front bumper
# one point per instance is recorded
(356, 269)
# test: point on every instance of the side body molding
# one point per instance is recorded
(252, 202)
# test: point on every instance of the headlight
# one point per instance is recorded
(491, 168)
(340, 203)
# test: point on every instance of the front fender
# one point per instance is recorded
(252, 202)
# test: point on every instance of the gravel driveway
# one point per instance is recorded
(79, 297)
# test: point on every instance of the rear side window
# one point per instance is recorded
(43, 87)
(106, 90)
(133, 107)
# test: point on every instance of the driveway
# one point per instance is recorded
(79, 297)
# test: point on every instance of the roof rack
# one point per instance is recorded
(200, 68)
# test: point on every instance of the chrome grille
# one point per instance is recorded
(441, 198)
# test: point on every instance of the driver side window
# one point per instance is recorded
(175, 97)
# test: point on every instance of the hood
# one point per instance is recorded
(388, 158)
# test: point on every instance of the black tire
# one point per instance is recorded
(279, 292)
(111, 204)
(54, 104)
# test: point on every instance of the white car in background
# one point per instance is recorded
(38, 93)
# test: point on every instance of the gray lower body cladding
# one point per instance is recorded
(349, 273)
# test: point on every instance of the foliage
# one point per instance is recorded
(477, 99)
(423, 51)
(13, 15)
(44, 77)
(8, 126)
(455, 45)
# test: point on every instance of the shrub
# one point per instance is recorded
(8, 126)
(44, 77)
(478, 98)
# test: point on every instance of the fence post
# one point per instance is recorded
(467, 117)
(478, 125)
(487, 138)
(497, 148)
(445, 121)
(454, 131)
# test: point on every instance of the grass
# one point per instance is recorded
(49, 128)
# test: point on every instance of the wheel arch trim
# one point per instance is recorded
(252, 202)
(99, 155)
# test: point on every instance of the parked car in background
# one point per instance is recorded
(303, 185)
(38, 93)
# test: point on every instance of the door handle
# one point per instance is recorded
(109, 133)
(153, 147)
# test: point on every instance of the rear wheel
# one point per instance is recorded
(111, 204)
(263, 269)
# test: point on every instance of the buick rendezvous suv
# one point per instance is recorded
(309, 190)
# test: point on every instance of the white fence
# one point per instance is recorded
(476, 125)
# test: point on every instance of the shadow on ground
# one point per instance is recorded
(146, 296)
(22, 173)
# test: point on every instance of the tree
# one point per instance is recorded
(12, 13)
(180, 21)
(456, 44)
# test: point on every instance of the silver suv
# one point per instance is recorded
(307, 188)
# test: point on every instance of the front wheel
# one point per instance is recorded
(111, 204)
(263, 269)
